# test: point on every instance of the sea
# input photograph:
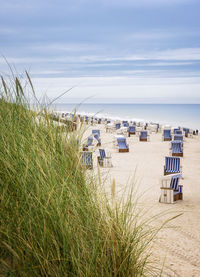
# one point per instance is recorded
(184, 115)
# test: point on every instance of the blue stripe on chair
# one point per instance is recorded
(174, 182)
(102, 154)
(172, 164)
(86, 159)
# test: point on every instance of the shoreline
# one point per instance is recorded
(173, 114)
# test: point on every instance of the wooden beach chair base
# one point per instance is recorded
(123, 150)
(169, 197)
(100, 162)
(178, 196)
(85, 149)
(131, 133)
(167, 139)
(99, 144)
(177, 154)
(141, 139)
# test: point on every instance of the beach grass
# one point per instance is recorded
(54, 221)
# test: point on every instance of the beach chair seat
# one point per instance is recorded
(172, 165)
(176, 148)
(122, 145)
(86, 160)
(167, 135)
(171, 189)
(131, 130)
(104, 159)
(144, 136)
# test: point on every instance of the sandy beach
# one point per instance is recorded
(178, 243)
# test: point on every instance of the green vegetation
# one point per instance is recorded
(53, 220)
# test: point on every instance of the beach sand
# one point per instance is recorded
(178, 243)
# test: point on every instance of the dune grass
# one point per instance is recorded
(53, 221)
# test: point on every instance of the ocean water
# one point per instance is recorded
(184, 115)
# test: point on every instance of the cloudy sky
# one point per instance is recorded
(131, 50)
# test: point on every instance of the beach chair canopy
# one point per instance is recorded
(172, 164)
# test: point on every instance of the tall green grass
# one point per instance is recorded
(53, 220)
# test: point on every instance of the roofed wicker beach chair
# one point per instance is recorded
(104, 159)
(177, 148)
(86, 160)
(172, 165)
(96, 131)
(144, 136)
(125, 123)
(96, 136)
(117, 126)
(131, 130)
(171, 189)
(167, 135)
(89, 143)
(186, 131)
(122, 144)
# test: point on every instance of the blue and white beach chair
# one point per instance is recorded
(96, 131)
(117, 126)
(186, 131)
(89, 143)
(86, 160)
(143, 136)
(172, 165)
(96, 136)
(122, 144)
(131, 130)
(104, 159)
(177, 148)
(125, 123)
(167, 135)
(171, 189)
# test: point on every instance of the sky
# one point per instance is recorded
(140, 51)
